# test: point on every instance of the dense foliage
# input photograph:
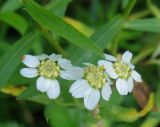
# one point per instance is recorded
(80, 30)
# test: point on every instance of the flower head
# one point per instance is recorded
(90, 80)
(48, 69)
(122, 70)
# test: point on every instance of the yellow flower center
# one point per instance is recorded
(122, 69)
(95, 76)
(49, 69)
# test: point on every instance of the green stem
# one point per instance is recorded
(129, 8)
(64, 104)
(115, 43)
(155, 61)
(126, 13)
(140, 14)
(53, 42)
(75, 103)
(154, 9)
(142, 55)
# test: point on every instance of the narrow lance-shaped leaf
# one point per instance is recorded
(58, 7)
(12, 58)
(55, 118)
(86, 30)
(55, 24)
(116, 111)
(32, 94)
(15, 20)
(11, 5)
(102, 38)
(108, 31)
(147, 25)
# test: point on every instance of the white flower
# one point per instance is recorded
(90, 80)
(47, 68)
(122, 70)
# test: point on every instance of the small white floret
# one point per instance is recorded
(30, 61)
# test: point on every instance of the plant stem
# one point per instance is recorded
(126, 13)
(97, 117)
(142, 55)
(140, 14)
(75, 104)
(115, 43)
(154, 9)
(53, 42)
(129, 8)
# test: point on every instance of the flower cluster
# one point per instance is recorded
(90, 81)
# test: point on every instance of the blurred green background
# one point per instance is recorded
(115, 26)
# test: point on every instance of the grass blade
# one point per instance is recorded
(55, 24)
(12, 58)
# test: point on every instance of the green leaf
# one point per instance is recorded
(87, 31)
(156, 51)
(147, 25)
(154, 61)
(10, 124)
(59, 116)
(128, 114)
(108, 31)
(32, 94)
(150, 122)
(102, 37)
(55, 24)
(12, 58)
(11, 5)
(58, 7)
(4, 46)
(15, 20)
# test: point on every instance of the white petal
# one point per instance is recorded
(110, 57)
(108, 67)
(30, 61)
(136, 76)
(43, 84)
(126, 57)
(55, 57)
(73, 73)
(131, 66)
(54, 89)
(122, 86)
(80, 89)
(77, 84)
(109, 81)
(130, 84)
(64, 63)
(106, 92)
(92, 99)
(104, 63)
(29, 72)
(42, 56)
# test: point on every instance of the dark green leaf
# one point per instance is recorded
(59, 116)
(12, 58)
(11, 5)
(58, 7)
(107, 32)
(147, 25)
(102, 38)
(15, 20)
(32, 94)
(55, 24)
